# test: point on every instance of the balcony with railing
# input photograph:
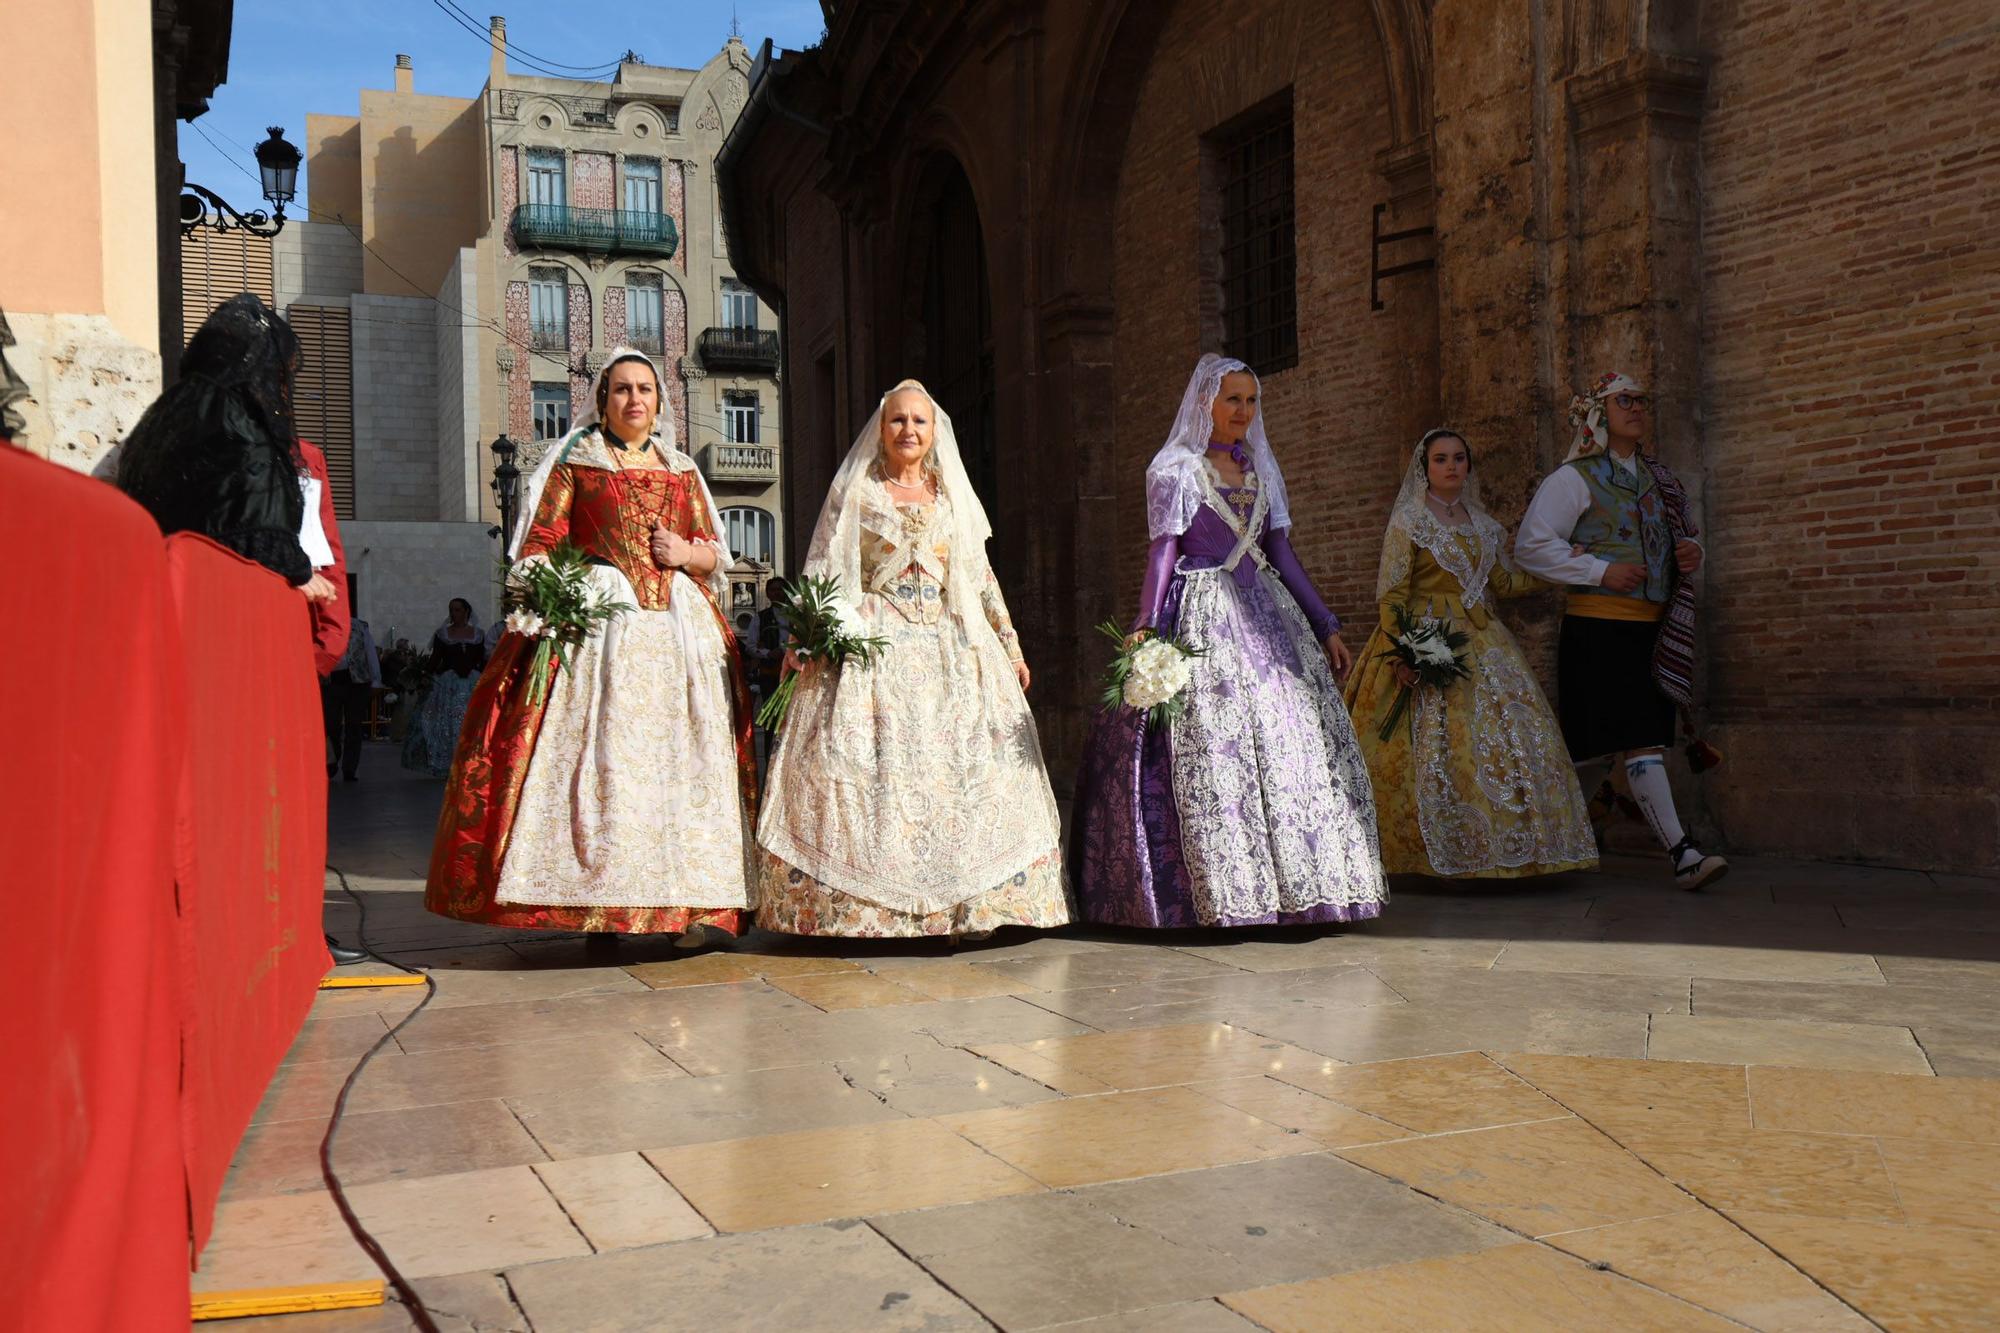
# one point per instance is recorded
(738, 349)
(611, 231)
(740, 462)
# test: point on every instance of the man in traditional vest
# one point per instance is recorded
(1612, 526)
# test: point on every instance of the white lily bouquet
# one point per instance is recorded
(823, 628)
(1428, 646)
(553, 602)
(1150, 674)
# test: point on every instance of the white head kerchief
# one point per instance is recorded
(859, 493)
(1175, 485)
(1586, 414)
(584, 447)
(1412, 524)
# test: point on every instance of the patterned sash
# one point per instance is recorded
(1673, 651)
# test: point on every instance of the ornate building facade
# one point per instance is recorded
(1410, 212)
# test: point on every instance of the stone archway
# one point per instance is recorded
(953, 326)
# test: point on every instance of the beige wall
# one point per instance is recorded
(423, 191)
(333, 168)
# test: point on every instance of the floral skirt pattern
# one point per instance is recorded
(792, 902)
(433, 731)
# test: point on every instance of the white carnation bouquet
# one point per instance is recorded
(1149, 673)
(554, 602)
(823, 628)
(1428, 646)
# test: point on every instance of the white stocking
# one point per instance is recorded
(1647, 776)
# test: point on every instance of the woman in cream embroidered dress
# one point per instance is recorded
(1474, 781)
(909, 797)
(621, 802)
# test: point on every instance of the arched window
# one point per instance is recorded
(752, 534)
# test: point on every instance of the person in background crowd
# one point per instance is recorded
(458, 651)
(348, 688)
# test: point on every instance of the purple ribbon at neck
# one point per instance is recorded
(1237, 452)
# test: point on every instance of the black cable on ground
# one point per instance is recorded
(362, 1235)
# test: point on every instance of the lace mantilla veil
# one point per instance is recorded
(664, 440)
(858, 490)
(1412, 524)
(1175, 486)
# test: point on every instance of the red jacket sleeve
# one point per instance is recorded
(330, 620)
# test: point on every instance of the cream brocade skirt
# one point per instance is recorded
(910, 798)
(633, 797)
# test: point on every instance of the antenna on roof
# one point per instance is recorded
(735, 28)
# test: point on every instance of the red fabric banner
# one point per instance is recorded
(250, 861)
(163, 848)
(93, 1195)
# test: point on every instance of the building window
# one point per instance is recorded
(643, 311)
(546, 179)
(642, 186)
(551, 411)
(739, 306)
(739, 417)
(548, 307)
(752, 534)
(1253, 162)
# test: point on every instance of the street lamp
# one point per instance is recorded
(506, 486)
(278, 164)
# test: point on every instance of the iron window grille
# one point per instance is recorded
(1254, 163)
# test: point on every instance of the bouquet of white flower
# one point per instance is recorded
(1428, 646)
(823, 628)
(552, 601)
(1150, 673)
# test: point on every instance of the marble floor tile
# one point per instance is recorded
(1894, 1005)
(1819, 1101)
(940, 1081)
(429, 1227)
(1960, 1052)
(282, 1157)
(1046, 1259)
(1182, 1317)
(1233, 997)
(705, 1047)
(1903, 1277)
(1540, 1178)
(1616, 1095)
(1523, 1288)
(1156, 1057)
(1820, 1175)
(1641, 958)
(645, 1010)
(594, 1121)
(1486, 988)
(1774, 1041)
(1291, 1218)
(1323, 1121)
(1402, 1031)
(1104, 967)
(1348, 950)
(947, 980)
(833, 1279)
(1945, 1184)
(1703, 1258)
(1116, 1136)
(771, 965)
(1434, 1094)
(701, 969)
(523, 1069)
(850, 990)
(458, 987)
(343, 1039)
(1913, 969)
(620, 1202)
(817, 1175)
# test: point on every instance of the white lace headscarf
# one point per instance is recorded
(663, 440)
(859, 493)
(1586, 414)
(1175, 483)
(1412, 524)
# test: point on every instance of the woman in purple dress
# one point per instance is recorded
(1253, 806)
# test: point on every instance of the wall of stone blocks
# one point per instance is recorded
(317, 263)
(462, 471)
(395, 408)
(407, 573)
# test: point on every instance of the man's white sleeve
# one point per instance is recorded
(1542, 547)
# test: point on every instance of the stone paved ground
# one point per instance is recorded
(1591, 1102)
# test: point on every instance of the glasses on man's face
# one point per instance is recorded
(1632, 402)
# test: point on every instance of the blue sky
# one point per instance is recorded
(289, 57)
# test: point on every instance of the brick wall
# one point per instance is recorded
(1333, 418)
(395, 408)
(1851, 274)
(461, 468)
